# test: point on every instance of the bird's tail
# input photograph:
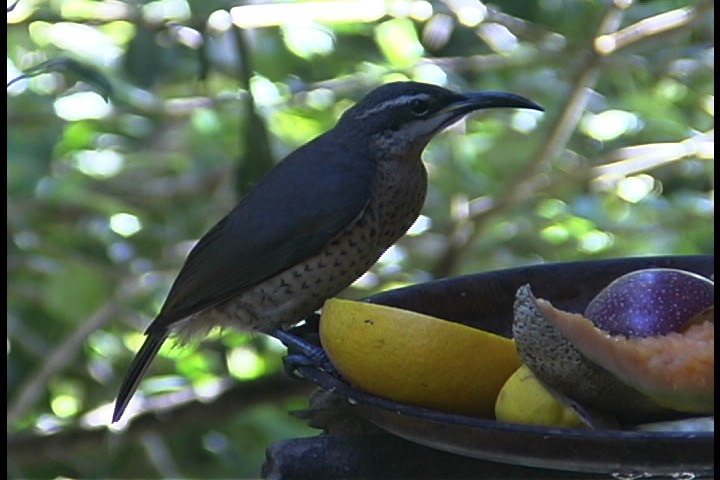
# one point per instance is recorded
(137, 370)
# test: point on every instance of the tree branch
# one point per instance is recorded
(531, 180)
(26, 448)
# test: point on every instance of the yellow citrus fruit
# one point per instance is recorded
(523, 399)
(416, 359)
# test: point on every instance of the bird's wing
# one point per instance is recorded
(289, 216)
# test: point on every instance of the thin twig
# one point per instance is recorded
(651, 28)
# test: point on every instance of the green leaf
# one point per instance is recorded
(399, 41)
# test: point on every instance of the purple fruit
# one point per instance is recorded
(650, 302)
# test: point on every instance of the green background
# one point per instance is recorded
(139, 124)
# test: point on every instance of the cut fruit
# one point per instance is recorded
(633, 380)
(524, 399)
(416, 359)
(676, 370)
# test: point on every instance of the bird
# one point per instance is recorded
(317, 221)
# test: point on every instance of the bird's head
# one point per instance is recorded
(404, 116)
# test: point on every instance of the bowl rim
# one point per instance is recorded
(648, 451)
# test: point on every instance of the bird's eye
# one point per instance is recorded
(419, 107)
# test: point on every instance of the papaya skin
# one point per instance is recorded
(676, 370)
(558, 363)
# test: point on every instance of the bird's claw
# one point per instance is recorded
(303, 354)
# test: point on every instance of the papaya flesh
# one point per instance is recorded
(634, 380)
(677, 370)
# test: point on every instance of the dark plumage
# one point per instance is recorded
(313, 224)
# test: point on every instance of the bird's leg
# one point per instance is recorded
(302, 353)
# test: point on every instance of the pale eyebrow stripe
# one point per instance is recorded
(404, 100)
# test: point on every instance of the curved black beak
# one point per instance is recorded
(468, 102)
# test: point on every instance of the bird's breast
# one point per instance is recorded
(397, 196)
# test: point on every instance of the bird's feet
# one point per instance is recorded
(302, 353)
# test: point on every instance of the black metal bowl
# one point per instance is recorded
(485, 301)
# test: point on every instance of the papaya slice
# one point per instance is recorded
(676, 370)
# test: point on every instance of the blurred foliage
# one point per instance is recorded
(138, 124)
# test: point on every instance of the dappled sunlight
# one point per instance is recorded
(125, 224)
(610, 124)
(245, 363)
(82, 106)
(99, 163)
(133, 127)
(637, 188)
(253, 16)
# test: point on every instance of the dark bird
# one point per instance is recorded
(315, 223)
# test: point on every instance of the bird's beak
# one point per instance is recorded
(469, 102)
(465, 103)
